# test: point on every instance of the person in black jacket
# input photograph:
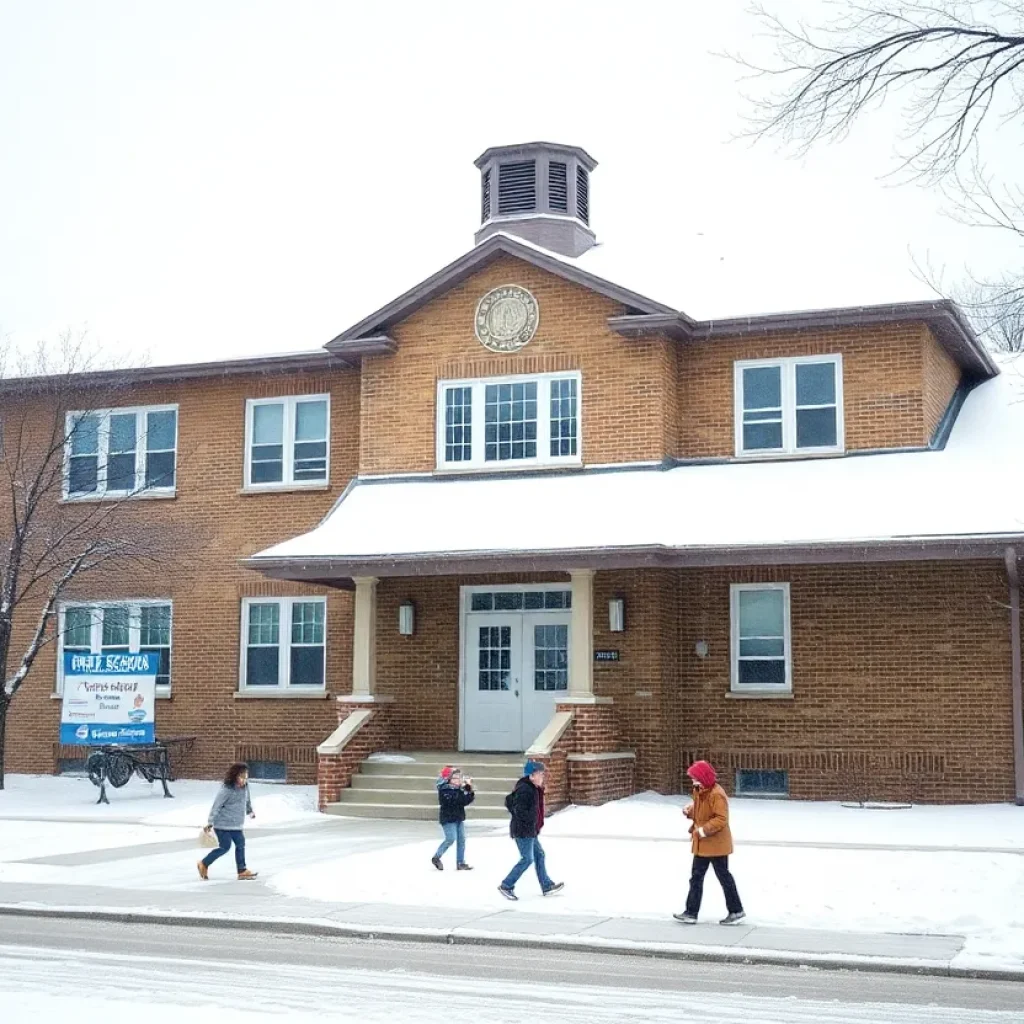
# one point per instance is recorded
(526, 805)
(453, 797)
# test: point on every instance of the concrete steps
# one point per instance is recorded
(403, 786)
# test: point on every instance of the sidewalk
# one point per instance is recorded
(259, 909)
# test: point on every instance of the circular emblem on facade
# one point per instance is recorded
(506, 318)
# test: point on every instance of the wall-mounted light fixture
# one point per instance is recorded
(702, 648)
(406, 618)
(617, 615)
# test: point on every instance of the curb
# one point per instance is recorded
(457, 936)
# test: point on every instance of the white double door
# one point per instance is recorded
(516, 668)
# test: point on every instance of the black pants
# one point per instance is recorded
(700, 869)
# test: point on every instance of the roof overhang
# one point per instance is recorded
(944, 318)
(341, 571)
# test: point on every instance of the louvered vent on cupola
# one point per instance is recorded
(582, 195)
(517, 187)
(485, 198)
(558, 186)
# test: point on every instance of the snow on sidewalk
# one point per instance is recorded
(57, 798)
(950, 827)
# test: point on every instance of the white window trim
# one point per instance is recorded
(134, 606)
(103, 444)
(735, 686)
(788, 368)
(287, 483)
(284, 645)
(478, 386)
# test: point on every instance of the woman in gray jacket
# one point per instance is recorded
(227, 815)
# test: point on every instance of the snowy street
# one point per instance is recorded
(95, 973)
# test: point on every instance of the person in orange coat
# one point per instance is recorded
(711, 843)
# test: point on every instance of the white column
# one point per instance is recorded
(581, 634)
(364, 637)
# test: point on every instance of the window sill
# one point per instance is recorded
(507, 467)
(86, 499)
(272, 694)
(284, 488)
(836, 453)
(759, 695)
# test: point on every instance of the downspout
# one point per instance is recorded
(1015, 669)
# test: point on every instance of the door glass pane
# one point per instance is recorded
(551, 657)
(495, 657)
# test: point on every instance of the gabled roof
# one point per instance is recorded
(964, 501)
(377, 324)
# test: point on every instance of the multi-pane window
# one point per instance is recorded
(120, 451)
(761, 658)
(519, 600)
(511, 422)
(551, 657)
(789, 406)
(283, 643)
(287, 441)
(128, 627)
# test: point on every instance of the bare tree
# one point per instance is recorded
(953, 65)
(956, 68)
(51, 544)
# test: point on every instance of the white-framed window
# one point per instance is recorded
(760, 637)
(789, 406)
(283, 643)
(109, 627)
(509, 422)
(118, 452)
(287, 441)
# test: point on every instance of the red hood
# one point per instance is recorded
(703, 773)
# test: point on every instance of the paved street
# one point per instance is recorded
(220, 974)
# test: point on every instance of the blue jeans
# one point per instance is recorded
(227, 836)
(530, 852)
(454, 832)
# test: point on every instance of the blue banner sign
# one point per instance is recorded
(108, 698)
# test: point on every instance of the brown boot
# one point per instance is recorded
(244, 876)
(204, 871)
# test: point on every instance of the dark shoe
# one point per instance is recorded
(436, 861)
(685, 918)
(553, 888)
(246, 875)
(733, 918)
(204, 871)
(507, 893)
(463, 867)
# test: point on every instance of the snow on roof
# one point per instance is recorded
(971, 489)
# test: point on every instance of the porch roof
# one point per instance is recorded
(964, 501)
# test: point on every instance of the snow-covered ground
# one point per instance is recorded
(95, 988)
(56, 798)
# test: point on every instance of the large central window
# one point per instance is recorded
(509, 422)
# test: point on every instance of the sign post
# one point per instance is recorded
(108, 699)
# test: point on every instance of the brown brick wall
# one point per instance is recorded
(207, 586)
(889, 399)
(941, 377)
(626, 385)
(896, 661)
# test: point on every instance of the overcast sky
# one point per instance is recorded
(201, 179)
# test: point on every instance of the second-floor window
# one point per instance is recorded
(287, 441)
(509, 422)
(789, 406)
(121, 451)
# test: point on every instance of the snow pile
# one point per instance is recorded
(56, 798)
